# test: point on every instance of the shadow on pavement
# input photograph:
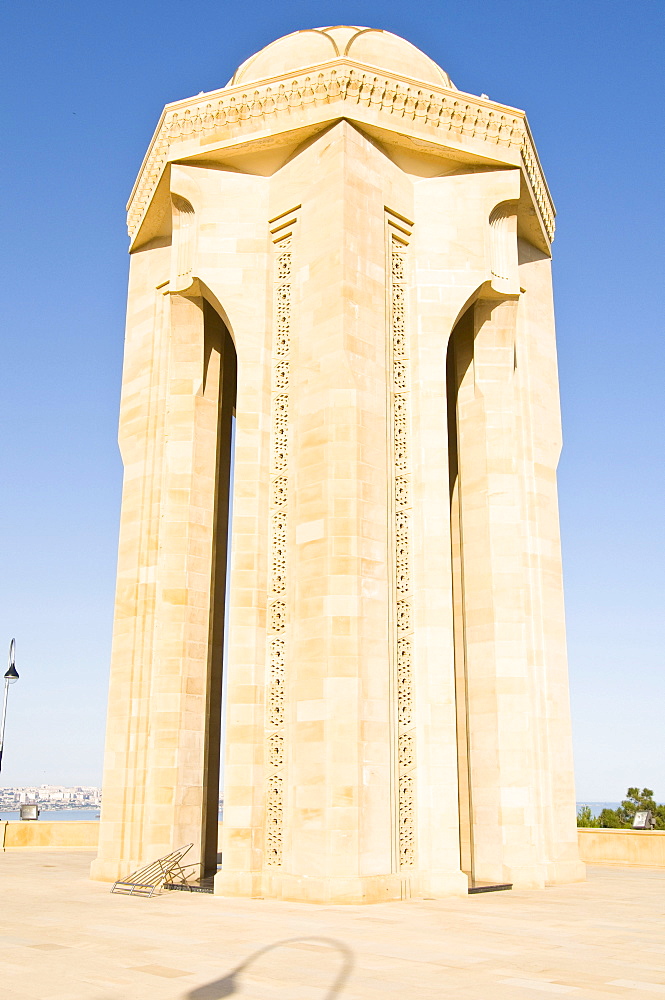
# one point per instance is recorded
(231, 982)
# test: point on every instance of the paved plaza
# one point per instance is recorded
(63, 937)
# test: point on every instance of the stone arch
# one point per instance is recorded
(489, 610)
(459, 358)
(220, 382)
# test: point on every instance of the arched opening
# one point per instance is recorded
(459, 368)
(220, 380)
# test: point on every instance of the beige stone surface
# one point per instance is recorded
(63, 937)
(618, 847)
(370, 255)
(40, 834)
(643, 848)
(16, 835)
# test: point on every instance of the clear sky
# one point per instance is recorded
(83, 87)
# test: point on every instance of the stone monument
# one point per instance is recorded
(340, 328)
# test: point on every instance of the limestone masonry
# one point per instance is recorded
(340, 328)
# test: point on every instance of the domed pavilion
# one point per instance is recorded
(339, 548)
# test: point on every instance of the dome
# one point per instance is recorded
(380, 50)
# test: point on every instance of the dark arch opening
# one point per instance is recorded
(220, 378)
(459, 358)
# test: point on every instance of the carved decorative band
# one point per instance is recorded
(441, 108)
(276, 685)
(437, 110)
(404, 683)
(277, 621)
(280, 428)
(278, 552)
(275, 743)
(405, 748)
(274, 819)
(407, 837)
(538, 186)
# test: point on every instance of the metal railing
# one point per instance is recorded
(164, 870)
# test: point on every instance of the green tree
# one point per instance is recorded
(635, 801)
(584, 817)
(609, 818)
(639, 800)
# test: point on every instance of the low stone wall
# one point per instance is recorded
(628, 848)
(68, 835)
(636, 848)
(79, 834)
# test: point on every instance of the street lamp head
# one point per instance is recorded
(12, 673)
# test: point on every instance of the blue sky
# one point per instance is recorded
(83, 87)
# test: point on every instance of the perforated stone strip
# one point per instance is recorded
(398, 237)
(281, 231)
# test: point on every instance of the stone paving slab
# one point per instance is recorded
(63, 937)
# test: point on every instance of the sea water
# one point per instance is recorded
(597, 807)
(93, 814)
(54, 814)
(59, 814)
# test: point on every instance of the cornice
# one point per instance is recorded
(234, 113)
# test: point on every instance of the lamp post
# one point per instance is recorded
(10, 677)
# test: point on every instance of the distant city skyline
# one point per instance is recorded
(52, 796)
